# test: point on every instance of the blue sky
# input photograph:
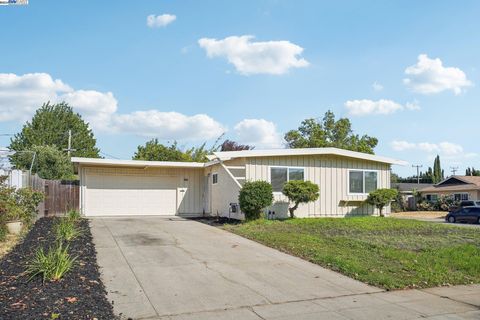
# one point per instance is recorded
(134, 80)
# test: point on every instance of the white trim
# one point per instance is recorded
(136, 163)
(363, 171)
(226, 155)
(236, 167)
(230, 174)
(288, 174)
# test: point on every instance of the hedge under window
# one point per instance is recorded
(280, 175)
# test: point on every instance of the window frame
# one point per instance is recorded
(363, 181)
(431, 194)
(214, 174)
(461, 198)
(288, 174)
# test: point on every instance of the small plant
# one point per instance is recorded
(74, 215)
(299, 191)
(253, 197)
(51, 265)
(66, 230)
(381, 198)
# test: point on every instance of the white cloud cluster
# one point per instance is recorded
(443, 148)
(255, 57)
(383, 106)
(429, 76)
(21, 95)
(258, 132)
(162, 20)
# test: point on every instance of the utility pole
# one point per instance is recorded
(454, 170)
(69, 149)
(418, 166)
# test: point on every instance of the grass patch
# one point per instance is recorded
(7, 243)
(385, 252)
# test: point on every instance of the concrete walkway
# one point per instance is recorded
(162, 268)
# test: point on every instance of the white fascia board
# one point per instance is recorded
(136, 163)
(225, 155)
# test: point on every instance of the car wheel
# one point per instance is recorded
(451, 219)
(478, 220)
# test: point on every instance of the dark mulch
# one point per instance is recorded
(217, 221)
(79, 295)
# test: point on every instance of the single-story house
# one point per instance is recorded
(457, 187)
(407, 190)
(132, 187)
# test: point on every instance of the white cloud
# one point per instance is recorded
(168, 125)
(21, 95)
(442, 148)
(162, 20)
(250, 57)
(377, 86)
(429, 76)
(383, 106)
(258, 132)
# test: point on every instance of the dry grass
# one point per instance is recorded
(420, 214)
(10, 242)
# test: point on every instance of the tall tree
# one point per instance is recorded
(229, 145)
(49, 127)
(329, 133)
(437, 174)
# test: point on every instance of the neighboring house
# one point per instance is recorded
(132, 187)
(457, 187)
(407, 189)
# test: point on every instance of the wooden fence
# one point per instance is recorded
(60, 195)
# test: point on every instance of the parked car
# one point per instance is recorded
(464, 203)
(465, 214)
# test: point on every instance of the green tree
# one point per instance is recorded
(381, 198)
(299, 191)
(49, 162)
(155, 151)
(50, 125)
(437, 173)
(255, 196)
(329, 133)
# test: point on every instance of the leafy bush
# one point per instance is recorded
(3, 231)
(51, 265)
(444, 203)
(299, 191)
(20, 204)
(253, 197)
(381, 198)
(66, 230)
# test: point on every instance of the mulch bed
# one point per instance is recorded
(79, 295)
(216, 221)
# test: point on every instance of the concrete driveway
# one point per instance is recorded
(171, 268)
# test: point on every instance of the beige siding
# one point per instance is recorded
(187, 182)
(331, 174)
(225, 191)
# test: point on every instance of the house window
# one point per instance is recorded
(460, 196)
(215, 178)
(431, 197)
(361, 181)
(280, 175)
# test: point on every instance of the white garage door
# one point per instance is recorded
(107, 195)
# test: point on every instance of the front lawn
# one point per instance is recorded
(385, 252)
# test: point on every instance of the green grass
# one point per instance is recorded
(385, 252)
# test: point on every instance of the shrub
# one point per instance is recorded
(299, 191)
(253, 197)
(66, 230)
(381, 198)
(74, 215)
(51, 265)
(3, 231)
(18, 204)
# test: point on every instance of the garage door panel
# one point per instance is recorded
(130, 195)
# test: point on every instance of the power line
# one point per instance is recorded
(454, 170)
(418, 166)
(109, 155)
